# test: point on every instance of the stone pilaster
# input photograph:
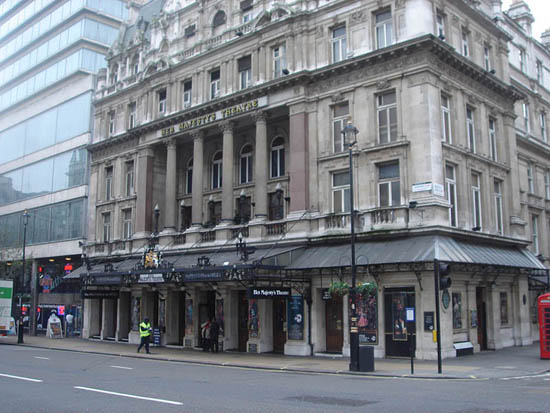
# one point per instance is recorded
(228, 172)
(170, 187)
(261, 166)
(198, 164)
(144, 192)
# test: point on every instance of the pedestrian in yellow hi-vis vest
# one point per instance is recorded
(145, 333)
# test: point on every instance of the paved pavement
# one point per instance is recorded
(505, 363)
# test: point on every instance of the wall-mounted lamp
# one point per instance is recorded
(492, 71)
(478, 228)
(239, 33)
(413, 204)
(285, 71)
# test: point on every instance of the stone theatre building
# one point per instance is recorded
(220, 178)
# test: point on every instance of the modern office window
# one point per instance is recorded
(522, 60)
(450, 182)
(127, 224)
(340, 114)
(543, 130)
(457, 311)
(161, 94)
(112, 123)
(387, 117)
(217, 170)
(339, 48)
(535, 233)
(547, 184)
(493, 139)
(189, 177)
(132, 115)
(106, 227)
(277, 158)
(476, 201)
(470, 128)
(498, 206)
(540, 72)
(279, 60)
(246, 165)
(245, 71)
(465, 42)
(340, 192)
(446, 119)
(440, 25)
(129, 181)
(504, 308)
(108, 183)
(384, 29)
(487, 57)
(214, 84)
(389, 187)
(530, 178)
(187, 93)
(525, 111)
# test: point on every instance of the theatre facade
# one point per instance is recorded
(220, 180)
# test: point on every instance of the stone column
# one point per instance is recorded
(299, 159)
(228, 172)
(144, 191)
(520, 312)
(198, 164)
(261, 166)
(170, 219)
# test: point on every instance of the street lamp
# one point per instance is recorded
(21, 326)
(157, 214)
(349, 134)
(242, 200)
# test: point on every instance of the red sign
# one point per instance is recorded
(60, 310)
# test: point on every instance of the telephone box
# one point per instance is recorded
(544, 325)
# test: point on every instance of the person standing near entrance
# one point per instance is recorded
(69, 319)
(145, 334)
(205, 335)
(214, 333)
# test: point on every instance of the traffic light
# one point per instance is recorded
(444, 280)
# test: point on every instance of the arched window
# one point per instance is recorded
(246, 165)
(219, 19)
(189, 177)
(278, 157)
(217, 170)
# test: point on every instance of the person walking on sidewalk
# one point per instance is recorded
(69, 329)
(214, 333)
(205, 335)
(145, 333)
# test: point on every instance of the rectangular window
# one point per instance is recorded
(339, 48)
(340, 192)
(457, 311)
(476, 201)
(543, 130)
(129, 184)
(389, 190)
(112, 123)
(108, 183)
(498, 206)
(535, 233)
(276, 206)
(214, 213)
(547, 184)
(470, 129)
(522, 60)
(127, 224)
(132, 115)
(493, 139)
(387, 117)
(279, 60)
(384, 29)
(440, 25)
(215, 84)
(504, 308)
(525, 111)
(245, 72)
(530, 178)
(446, 119)
(340, 115)
(190, 31)
(162, 100)
(540, 72)
(244, 209)
(187, 93)
(487, 57)
(465, 43)
(107, 227)
(450, 181)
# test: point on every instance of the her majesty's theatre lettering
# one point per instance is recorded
(212, 117)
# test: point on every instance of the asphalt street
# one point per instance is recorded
(43, 380)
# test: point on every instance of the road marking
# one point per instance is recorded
(131, 396)
(41, 358)
(122, 367)
(527, 377)
(21, 378)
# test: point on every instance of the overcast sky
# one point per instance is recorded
(541, 12)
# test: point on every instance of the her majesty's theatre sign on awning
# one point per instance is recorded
(212, 117)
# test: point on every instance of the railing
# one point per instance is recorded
(208, 236)
(276, 229)
(243, 230)
(120, 245)
(383, 216)
(214, 41)
(338, 221)
(179, 239)
(100, 248)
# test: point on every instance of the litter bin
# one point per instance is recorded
(366, 358)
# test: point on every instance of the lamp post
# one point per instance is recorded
(157, 214)
(349, 134)
(242, 200)
(21, 324)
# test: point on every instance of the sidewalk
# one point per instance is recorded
(509, 362)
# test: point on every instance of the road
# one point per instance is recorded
(41, 380)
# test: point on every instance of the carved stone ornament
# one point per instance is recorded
(260, 116)
(226, 126)
(319, 32)
(359, 16)
(338, 97)
(197, 135)
(399, 3)
(382, 84)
